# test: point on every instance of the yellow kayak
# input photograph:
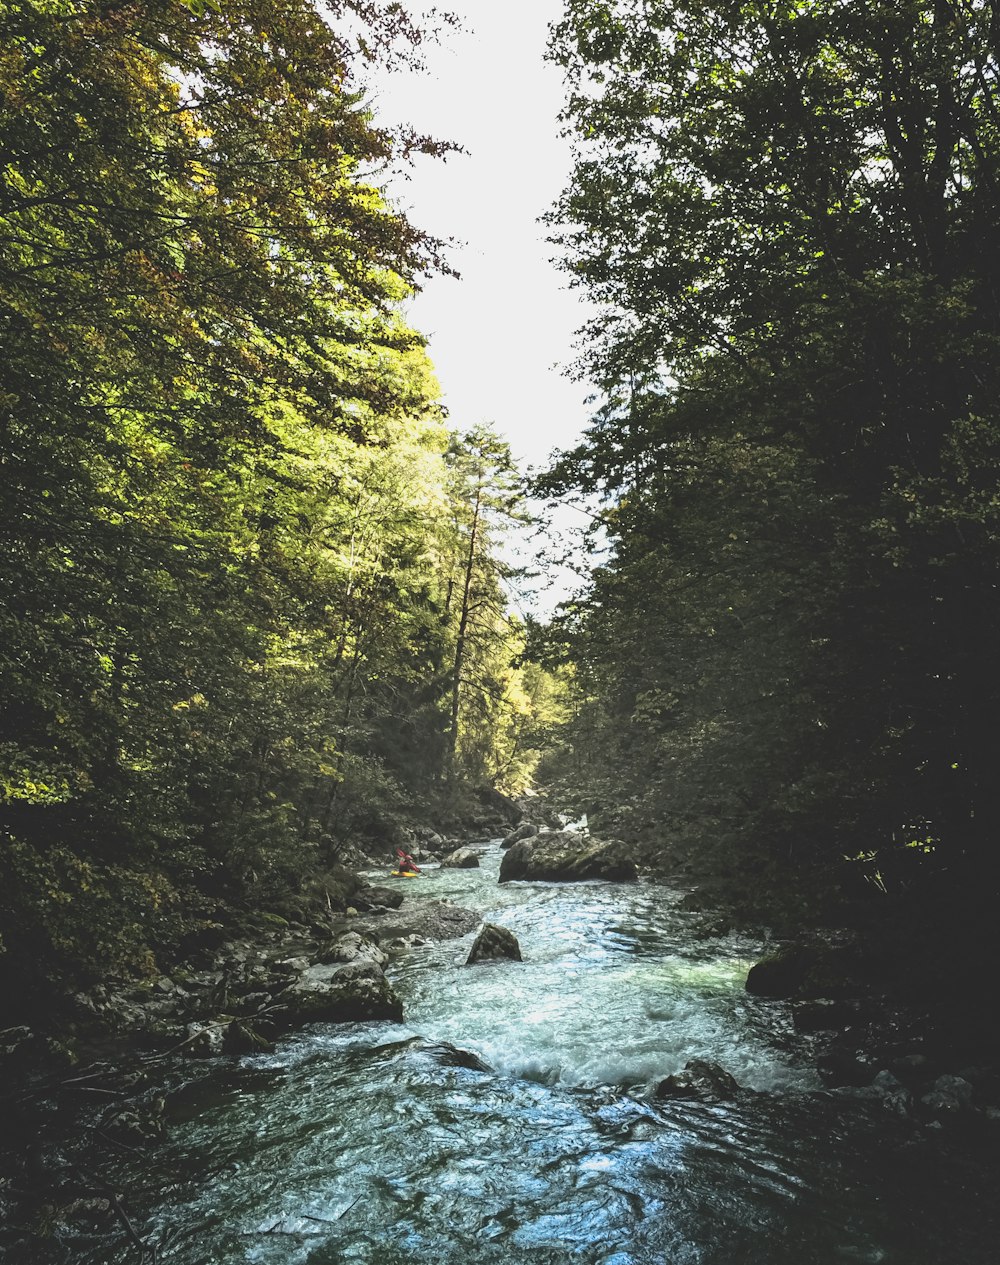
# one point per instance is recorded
(404, 874)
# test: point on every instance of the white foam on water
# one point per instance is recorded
(612, 991)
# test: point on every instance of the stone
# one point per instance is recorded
(700, 1080)
(429, 919)
(525, 831)
(461, 859)
(252, 1003)
(294, 964)
(779, 974)
(240, 1038)
(400, 944)
(384, 897)
(352, 946)
(561, 856)
(449, 1055)
(335, 993)
(892, 1094)
(948, 1094)
(816, 971)
(939, 1104)
(203, 1040)
(93, 1209)
(493, 944)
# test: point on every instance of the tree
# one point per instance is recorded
(487, 500)
(203, 358)
(787, 215)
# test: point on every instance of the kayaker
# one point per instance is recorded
(406, 862)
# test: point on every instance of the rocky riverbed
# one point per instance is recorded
(657, 1013)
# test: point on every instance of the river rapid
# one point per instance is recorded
(378, 1144)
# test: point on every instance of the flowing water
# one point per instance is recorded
(380, 1144)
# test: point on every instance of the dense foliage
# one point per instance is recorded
(787, 214)
(233, 521)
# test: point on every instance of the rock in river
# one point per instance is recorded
(339, 994)
(700, 1080)
(352, 946)
(562, 856)
(492, 943)
(461, 859)
(809, 971)
(525, 831)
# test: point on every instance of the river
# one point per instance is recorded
(372, 1144)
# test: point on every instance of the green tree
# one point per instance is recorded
(787, 215)
(487, 499)
(202, 362)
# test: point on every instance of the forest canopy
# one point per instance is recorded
(251, 606)
(787, 216)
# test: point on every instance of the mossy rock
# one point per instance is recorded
(808, 971)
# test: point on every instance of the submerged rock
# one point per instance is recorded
(562, 856)
(449, 1055)
(700, 1080)
(492, 944)
(461, 859)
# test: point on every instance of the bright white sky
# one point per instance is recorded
(500, 336)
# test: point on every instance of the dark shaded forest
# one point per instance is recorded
(786, 664)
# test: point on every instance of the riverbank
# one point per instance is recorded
(87, 1088)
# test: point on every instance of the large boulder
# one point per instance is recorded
(335, 993)
(427, 920)
(461, 859)
(525, 831)
(561, 856)
(809, 971)
(493, 943)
